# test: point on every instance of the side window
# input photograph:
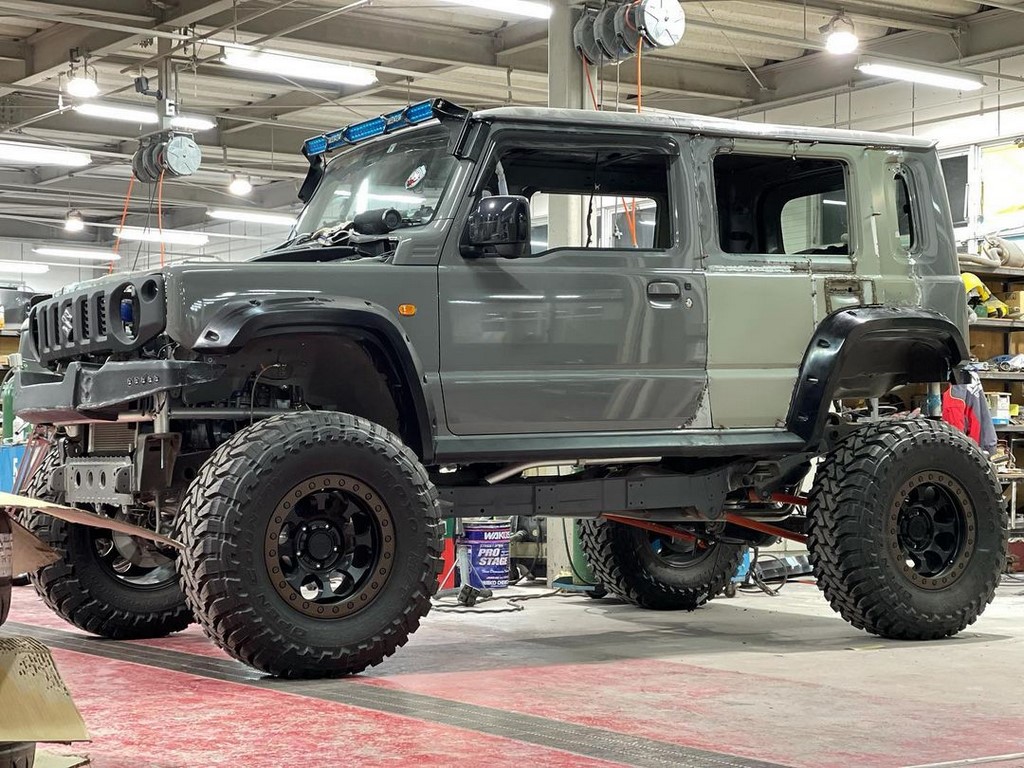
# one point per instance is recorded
(622, 193)
(780, 205)
(904, 212)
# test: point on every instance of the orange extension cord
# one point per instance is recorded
(124, 216)
(160, 213)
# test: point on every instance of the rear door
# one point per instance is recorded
(601, 329)
(783, 226)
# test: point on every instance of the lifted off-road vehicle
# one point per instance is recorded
(725, 319)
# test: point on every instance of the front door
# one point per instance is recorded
(606, 332)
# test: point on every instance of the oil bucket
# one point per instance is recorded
(487, 544)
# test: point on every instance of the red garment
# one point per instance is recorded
(955, 411)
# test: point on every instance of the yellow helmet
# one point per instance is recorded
(977, 291)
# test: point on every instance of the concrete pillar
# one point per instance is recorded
(566, 88)
(165, 81)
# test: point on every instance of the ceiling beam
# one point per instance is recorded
(870, 13)
(48, 50)
(986, 37)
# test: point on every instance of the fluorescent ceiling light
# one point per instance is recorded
(168, 236)
(35, 154)
(298, 68)
(27, 267)
(531, 8)
(253, 217)
(834, 202)
(113, 112)
(396, 198)
(192, 123)
(75, 253)
(923, 74)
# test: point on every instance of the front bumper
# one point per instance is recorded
(86, 392)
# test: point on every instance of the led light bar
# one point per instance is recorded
(406, 117)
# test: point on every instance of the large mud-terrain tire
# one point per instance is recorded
(644, 569)
(84, 590)
(313, 544)
(17, 754)
(908, 529)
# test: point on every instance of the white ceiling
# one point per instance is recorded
(736, 54)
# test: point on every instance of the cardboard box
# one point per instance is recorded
(999, 407)
(35, 703)
(1014, 300)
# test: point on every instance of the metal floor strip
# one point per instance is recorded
(1017, 758)
(595, 743)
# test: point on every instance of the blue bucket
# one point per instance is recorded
(487, 544)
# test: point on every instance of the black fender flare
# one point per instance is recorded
(237, 324)
(866, 352)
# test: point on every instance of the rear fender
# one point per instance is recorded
(867, 352)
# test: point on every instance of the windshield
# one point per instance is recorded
(407, 173)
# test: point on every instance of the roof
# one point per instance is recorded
(711, 126)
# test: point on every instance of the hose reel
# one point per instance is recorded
(616, 32)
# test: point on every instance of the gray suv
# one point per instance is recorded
(736, 304)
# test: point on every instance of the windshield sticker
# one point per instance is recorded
(416, 177)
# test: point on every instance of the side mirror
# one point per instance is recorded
(500, 226)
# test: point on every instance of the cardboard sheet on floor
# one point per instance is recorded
(50, 760)
(83, 517)
(30, 554)
(35, 702)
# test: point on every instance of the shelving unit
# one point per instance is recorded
(1005, 326)
(1012, 433)
(1007, 274)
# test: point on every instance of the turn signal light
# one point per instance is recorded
(407, 310)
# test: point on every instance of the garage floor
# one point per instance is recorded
(753, 681)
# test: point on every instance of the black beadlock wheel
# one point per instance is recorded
(106, 583)
(652, 571)
(313, 544)
(908, 529)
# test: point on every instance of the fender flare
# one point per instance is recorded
(237, 324)
(867, 352)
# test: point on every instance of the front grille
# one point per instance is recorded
(101, 315)
(89, 322)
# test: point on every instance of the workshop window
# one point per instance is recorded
(782, 205)
(955, 172)
(622, 194)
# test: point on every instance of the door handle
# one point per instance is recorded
(663, 290)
